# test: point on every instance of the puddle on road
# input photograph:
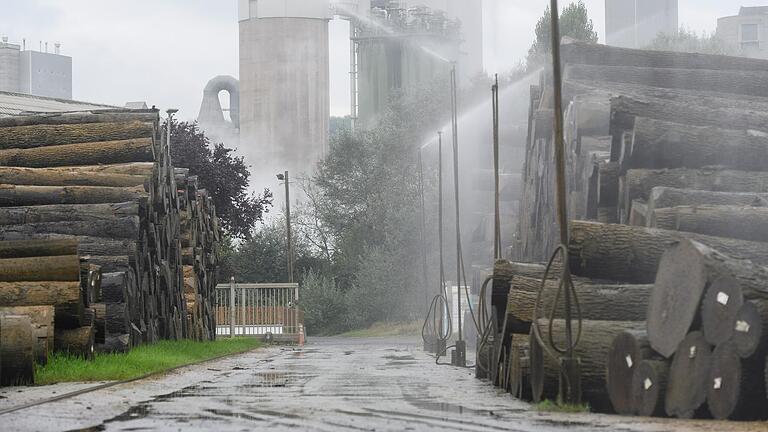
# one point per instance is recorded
(400, 358)
(448, 408)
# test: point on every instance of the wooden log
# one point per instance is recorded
(33, 293)
(53, 268)
(733, 81)
(632, 254)
(688, 377)
(598, 301)
(638, 184)
(117, 228)
(37, 248)
(596, 339)
(739, 222)
(735, 388)
(626, 352)
(749, 329)
(665, 197)
(88, 246)
(111, 264)
(78, 342)
(92, 153)
(638, 214)
(41, 318)
(17, 347)
(92, 116)
(608, 180)
(58, 134)
(67, 177)
(16, 196)
(662, 144)
(577, 52)
(115, 344)
(649, 385)
(145, 169)
(109, 212)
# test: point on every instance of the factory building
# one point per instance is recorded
(37, 73)
(636, 23)
(746, 33)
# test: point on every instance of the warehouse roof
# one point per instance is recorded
(12, 104)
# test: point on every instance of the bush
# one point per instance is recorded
(325, 311)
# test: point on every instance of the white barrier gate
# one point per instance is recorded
(258, 310)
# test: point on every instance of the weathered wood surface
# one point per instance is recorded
(688, 377)
(750, 327)
(735, 388)
(32, 136)
(53, 268)
(108, 212)
(66, 177)
(16, 196)
(738, 222)
(41, 318)
(36, 248)
(632, 254)
(107, 115)
(33, 293)
(117, 228)
(665, 197)
(77, 342)
(93, 153)
(649, 386)
(17, 350)
(626, 352)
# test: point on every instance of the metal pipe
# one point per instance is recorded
(497, 209)
(232, 307)
(455, 127)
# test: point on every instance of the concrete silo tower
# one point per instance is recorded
(284, 83)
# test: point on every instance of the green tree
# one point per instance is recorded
(224, 174)
(574, 23)
(689, 41)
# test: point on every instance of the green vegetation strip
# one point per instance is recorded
(550, 406)
(143, 360)
(387, 330)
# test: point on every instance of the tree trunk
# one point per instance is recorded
(92, 153)
(17, 347)
(608, 179)
(688, 377)
(632, 254)
(37, 248)
(660, 144)
(19, 196)
(638, 214)
(68, 213)
(637, 184)
(66, 177)
(665, 197)
(145, 169)
(597, 301)
(596, 339)
(118, 228)
(60, 134)
(746, 223)
(649, 386)
(41, 318)
(735, 388)
(626, 352)
(53, 268)
(77, 342)
(750, 83)
(93, 116)
(115, 344)
(33, 293)
(88, 246)
(750, 327)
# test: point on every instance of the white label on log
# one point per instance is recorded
(742, 326)
(718, 383)
(628, 358)
(647, 383)
(722, 298)
(692, 352)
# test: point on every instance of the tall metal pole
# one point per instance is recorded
(232, 307)
(440, 224)
(423, 231)
(288, 227)
(497, 209)
(570, 389)
(460, 345)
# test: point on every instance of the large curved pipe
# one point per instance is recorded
(211, 111)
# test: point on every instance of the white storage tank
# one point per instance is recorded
(284, 83)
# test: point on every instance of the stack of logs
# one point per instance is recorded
(100, 186)
(668, 195)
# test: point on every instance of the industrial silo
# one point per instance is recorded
(284, 83)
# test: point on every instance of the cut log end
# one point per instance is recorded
(688, 374)
(719, 308)
(649, 384)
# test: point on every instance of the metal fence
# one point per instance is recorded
(258, 310)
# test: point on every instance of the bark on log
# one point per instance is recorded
(144, 169)
(626, 352)
(688, 377)
(735, 388)
(93, 153)
(41, 318)
(598, 301)
(60, 134)
(33, 293)
(661, 144)
(37, 248)
(632, 254)
(649, 385)
(637, 184)
(93, 116)
(17, 347)
(666, 197)
(118, 228)
(115, 344)
(608, 180)
(739, 222)
(77, 342)
(53, 268)
(739, 82)
(68, 213)
(638, 214)
(18, 196)
(98, 246)
(67, 177)
(596, 339)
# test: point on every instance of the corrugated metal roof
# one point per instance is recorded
(12, 104)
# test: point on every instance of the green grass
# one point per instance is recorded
(550, 406)
(140, 361)
(387, 330)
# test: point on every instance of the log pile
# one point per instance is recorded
(126, 242)
(667, 173)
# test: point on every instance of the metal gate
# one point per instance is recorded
(259, 310)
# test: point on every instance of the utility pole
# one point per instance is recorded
(289, 242)
(461, 346)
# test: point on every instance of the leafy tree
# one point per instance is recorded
(224, 174)
(323, 303)
(689, 41)
(574, 23)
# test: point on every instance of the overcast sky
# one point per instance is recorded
(164, 51)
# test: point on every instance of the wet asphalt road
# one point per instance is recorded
(330, 384)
